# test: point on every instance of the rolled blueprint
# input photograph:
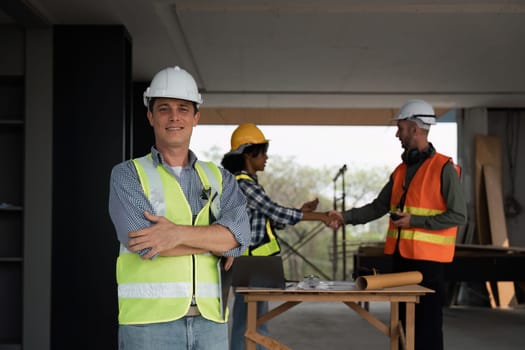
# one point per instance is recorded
(388, 280)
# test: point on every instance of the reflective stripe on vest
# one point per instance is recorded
(161, 289)
(423, 197)
(270, 244)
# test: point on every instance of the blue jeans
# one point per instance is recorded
(240, 311)
(187, 333)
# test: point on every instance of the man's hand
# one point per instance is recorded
(160, 236)
(229, 262)
(401, 220)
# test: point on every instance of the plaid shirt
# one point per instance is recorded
(261, 207)
(127, 201)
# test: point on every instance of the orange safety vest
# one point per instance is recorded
(423, 197)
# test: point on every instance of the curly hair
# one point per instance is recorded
(235, 163)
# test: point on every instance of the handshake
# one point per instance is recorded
(332, 219)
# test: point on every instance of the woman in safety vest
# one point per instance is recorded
(246, 157)
(426, 203)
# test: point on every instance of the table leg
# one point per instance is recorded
(410, 325)
(394, 325)
(251, 324)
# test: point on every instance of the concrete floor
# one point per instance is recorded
(334, 326)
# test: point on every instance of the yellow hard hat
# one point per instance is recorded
(245, 135)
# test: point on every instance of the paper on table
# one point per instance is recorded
(389, 280)
(328, 285)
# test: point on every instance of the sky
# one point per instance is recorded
(331, 146)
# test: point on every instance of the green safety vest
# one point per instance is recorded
(270, 244)
(161, 289)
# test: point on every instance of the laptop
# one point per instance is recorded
(258, 272)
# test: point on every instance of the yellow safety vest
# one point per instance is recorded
(270, 244)
(161, 290)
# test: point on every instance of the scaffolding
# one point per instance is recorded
(339, 199)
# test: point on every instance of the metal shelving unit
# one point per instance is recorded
(12, 134)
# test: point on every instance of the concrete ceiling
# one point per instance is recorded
(320, 54)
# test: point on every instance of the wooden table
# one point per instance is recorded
(471, 262)
(496, 266)
(294, 296)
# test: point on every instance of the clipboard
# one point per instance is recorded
(225, 282)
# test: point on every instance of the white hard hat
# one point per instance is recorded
(419, 111)
(173, 82)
